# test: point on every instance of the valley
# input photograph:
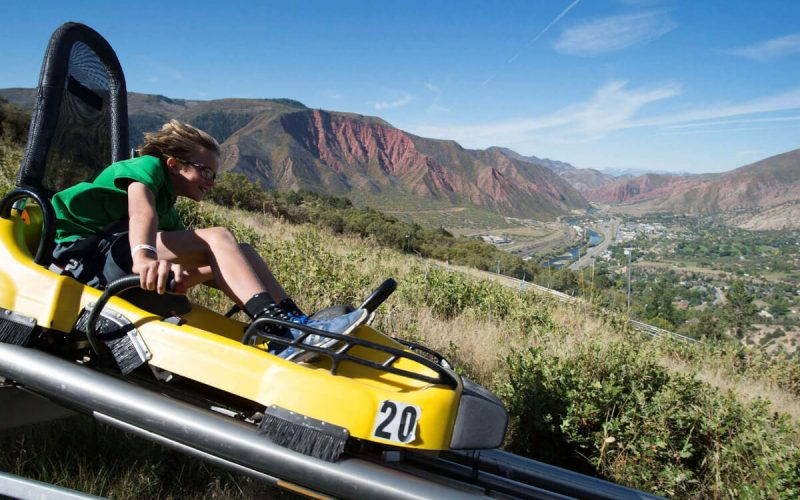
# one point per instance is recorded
(692, 237)
(683, 269)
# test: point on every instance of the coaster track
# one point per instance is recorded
(235, 445)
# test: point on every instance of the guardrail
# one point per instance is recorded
(651, 330)
(655, 331)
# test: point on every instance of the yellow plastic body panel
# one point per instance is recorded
(207, 349)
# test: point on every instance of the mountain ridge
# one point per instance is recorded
(283, 144)
(746, 196)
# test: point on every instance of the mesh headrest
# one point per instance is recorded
(80, 120)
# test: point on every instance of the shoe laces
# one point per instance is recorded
(300, 319)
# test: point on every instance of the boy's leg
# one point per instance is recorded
(217, 248)
(236, 269)
(274, 288)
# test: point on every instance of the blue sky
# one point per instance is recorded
(697, 86)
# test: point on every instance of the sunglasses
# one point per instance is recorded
(206, 172)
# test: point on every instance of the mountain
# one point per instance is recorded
(370, 161)
(554, 165)
(584, 179)
(634, 172)
(762, 195)
(766, 184)
(285, 145)
(633, 190)
(579, 178)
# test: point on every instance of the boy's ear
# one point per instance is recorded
(171, 162)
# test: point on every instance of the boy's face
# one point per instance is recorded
(192, 177)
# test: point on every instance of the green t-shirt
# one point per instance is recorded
(86, 208)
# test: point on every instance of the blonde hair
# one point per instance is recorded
(177, 140)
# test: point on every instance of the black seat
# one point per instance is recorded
(79, 123)
(79, 126)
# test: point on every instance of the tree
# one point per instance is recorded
(708, 326)
(778, 306)
(659, 303)
(739, 311)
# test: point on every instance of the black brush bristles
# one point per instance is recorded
(302, 434)
(117, 337)
(124, 352)
(15, 329)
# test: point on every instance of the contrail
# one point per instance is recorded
(554, 21)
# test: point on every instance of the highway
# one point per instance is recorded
(608, 230)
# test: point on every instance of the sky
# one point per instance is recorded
(660, 85)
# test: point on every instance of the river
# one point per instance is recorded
(573, 252)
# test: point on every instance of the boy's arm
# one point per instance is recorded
(142, 229)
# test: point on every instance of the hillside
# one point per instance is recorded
(583, 390)
(585, 179)
(284, 145)
(639, 189)
(556, 166)
(766, 184)
(762, 195)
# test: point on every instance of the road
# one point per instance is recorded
(608, 230)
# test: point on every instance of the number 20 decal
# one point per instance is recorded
(396, 422)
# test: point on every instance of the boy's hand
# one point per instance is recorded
(181, 284)
(154, 273)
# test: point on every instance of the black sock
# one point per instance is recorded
(260, 304)
(289, 306)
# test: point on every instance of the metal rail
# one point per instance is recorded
(18, 487)
(205, 434)
(651, 330)
(236, 445)
(655, 331)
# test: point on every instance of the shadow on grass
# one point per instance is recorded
(81, 454)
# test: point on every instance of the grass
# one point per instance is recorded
(460, 218)
(78, 453)
(583, 390)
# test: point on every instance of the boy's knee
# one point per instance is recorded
(220, 236)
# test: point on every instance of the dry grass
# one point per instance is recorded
(780, 401)
(479, 345)
(464, 340)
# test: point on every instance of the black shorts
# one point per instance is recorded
(103, 258)
(96, 260)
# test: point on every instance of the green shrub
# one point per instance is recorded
(612, 410)
(10, 158)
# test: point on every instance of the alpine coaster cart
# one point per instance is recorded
(203, 382)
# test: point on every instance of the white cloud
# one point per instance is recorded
(728, 122)
(783, 101)
(614, 33)
(610, 108)
(434, 106)
(397, 103)
(722, 130)
(546, 28)
(769, 49)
